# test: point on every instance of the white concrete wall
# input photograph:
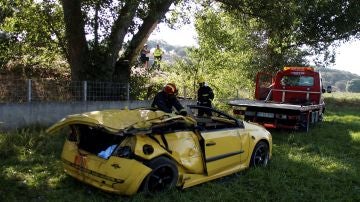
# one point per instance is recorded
(13, 116)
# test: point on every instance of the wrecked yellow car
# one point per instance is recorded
(124, 151)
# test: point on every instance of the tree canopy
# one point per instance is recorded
(243, 37)
(34, 32)
(100, 39)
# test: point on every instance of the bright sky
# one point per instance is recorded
(186, 36)
(347, 57)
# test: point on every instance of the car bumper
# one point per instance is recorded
(125, 182)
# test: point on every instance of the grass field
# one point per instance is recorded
(322, 165)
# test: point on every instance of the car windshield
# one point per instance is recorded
(297, 81)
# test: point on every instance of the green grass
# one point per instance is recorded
(322, 165)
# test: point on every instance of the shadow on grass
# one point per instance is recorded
(333, 137)
(323, 163)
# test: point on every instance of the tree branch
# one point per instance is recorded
(156, 13)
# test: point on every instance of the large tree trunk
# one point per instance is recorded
(118, 32)
(109, 69)
(75, 34)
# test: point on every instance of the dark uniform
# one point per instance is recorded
(205, 96)
(165, 102)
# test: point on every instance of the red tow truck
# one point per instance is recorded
(292, 99)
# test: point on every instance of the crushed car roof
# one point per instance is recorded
(114, 120)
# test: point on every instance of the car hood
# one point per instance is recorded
(115, 120)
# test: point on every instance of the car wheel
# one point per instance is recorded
(164, 175)
(260, 155)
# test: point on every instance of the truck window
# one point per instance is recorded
(297, 81)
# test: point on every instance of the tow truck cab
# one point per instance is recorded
(292, 99)
(293, 85)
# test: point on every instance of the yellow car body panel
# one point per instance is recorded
(190, 180)
(222, 150)
(183, 147)
(199, 155)
(116, 175)
(257, 132)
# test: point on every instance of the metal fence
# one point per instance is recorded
(46, 90)
(41, 90)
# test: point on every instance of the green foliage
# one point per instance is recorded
(183, 73)
(245, 35)
(36, 33)
(244, 38)
(250, 40)
(229, 55)
(316, 24)
(143, 87)
(224, 54)
(353, 86)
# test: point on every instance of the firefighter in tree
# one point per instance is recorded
(205, 97)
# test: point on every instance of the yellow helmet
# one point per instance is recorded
(201, 79)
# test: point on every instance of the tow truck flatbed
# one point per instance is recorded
(268, 104)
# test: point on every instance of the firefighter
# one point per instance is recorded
(205, 97)
(166, 99)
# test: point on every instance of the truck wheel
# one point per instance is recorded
(164, 176)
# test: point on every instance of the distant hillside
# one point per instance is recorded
(337, 78)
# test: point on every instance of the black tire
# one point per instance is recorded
(164, 176)
(261, 155)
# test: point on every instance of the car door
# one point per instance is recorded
(223, 149)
